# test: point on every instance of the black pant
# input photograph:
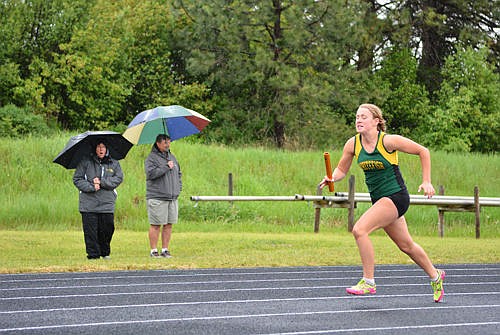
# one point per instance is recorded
(98, 229)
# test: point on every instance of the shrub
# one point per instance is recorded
(16, 122)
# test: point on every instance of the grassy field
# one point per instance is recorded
(40, 223)
(44, 251)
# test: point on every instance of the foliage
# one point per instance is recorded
(406, 104)
(30, 35)
(282, 74)
(10, 79)
(439, 25)
(468, 115)
(19, 122)
(113, 61)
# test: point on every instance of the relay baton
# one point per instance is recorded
(328, 166)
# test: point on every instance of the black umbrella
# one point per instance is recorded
(84, 144)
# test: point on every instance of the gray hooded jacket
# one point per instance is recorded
(162, 182)
(111, 175)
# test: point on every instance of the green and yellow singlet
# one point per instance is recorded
(382, 175)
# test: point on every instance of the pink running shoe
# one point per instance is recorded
(362, 288)
(437, 286)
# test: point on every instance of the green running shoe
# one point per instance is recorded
(362, 288)
(437, 286)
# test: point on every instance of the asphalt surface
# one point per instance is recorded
(290, 300)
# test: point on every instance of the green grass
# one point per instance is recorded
(40, 205)
(45, 251)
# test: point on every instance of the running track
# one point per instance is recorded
(291, 300)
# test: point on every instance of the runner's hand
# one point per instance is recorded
(427, 188)
(325, 182)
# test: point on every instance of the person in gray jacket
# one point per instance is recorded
(163, 186)
(96, 177)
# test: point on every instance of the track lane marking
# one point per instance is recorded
(236, 273)
(218, 302)
(228, 317)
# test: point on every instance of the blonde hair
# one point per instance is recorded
(377, 114)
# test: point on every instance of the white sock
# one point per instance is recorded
(369, 281)
(164, 249)
(154, 250)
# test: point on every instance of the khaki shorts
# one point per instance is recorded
(161, 212)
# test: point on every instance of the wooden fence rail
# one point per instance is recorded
(350, 199)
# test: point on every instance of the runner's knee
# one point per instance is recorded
(357, 232)
(405, 247)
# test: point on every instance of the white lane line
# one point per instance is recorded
(225, 282)
(362, 330)
(228, 317)
(213, 290)
(309, 279)
(211, 282)
(236, 273)
(246, 301)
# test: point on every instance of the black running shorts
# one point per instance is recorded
(400, 199)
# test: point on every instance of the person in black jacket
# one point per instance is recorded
(163, 186)
(96, 177)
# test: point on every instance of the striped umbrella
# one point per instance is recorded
(175, 121)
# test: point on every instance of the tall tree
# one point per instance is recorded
(30, 35)
(406, 104)
(440, 25)
(119, 64)
(467, 117)
(430, 29)
(283, 66)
